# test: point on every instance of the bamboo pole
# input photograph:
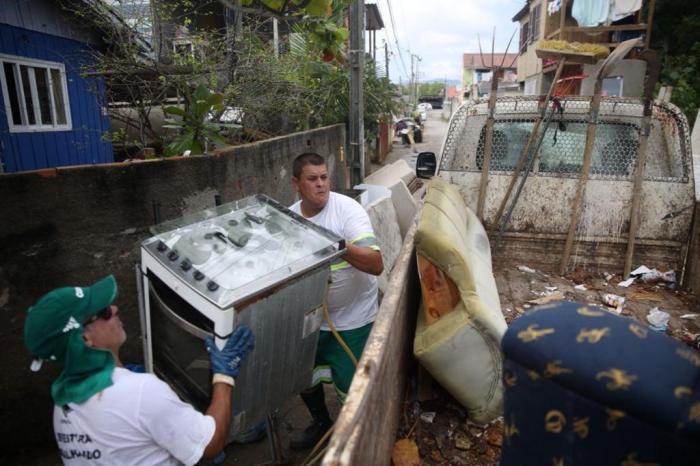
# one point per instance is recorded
(650, 20)
(618, 54)
(652, 75)
(585, 169)
(533, 135)
(488, 146)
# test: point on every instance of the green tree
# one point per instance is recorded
(676, 36)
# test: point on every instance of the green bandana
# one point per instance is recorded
(54, 331)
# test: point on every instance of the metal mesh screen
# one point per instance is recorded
(561, 152)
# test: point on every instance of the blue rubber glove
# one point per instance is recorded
(227, 361)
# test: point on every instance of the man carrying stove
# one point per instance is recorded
(106, 414)
(352, 295)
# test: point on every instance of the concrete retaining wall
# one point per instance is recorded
(72, 226)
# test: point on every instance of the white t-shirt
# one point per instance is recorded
(352, 295)
(138, 420)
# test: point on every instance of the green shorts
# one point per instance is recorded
(332, 362)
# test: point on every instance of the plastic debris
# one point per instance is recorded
(626, 283)
(428, 416)
(641, 270)
(614, 301)
(689, 316)
(656, 276)
(524, 268)
(550, 289)
(581, 287)
(658, 319)
(608, 276)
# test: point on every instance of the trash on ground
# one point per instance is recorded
(689, 316)
(581, 287)
(608, 276)
(405, 453)
(550, 289)
(658, 319)
(644, 296)
(615, 301)
(626, 283)
(558, 296)
(524, 268)
(641, 270)
(654, 276)
(428, 416)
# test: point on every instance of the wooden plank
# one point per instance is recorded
(596, 29)
(650, 20)
(366, 427)
(488, 146)
(570, 56)
(652, 75)
(583, 179)
(524, 155)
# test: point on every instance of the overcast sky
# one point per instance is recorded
(440, 31)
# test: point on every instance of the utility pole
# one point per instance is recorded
(415, 100)
(357, 64)
(413, 80)
(386, 58)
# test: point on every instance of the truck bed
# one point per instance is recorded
(439, 425)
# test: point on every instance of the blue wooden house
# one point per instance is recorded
(50, 115)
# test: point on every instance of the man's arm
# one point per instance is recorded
(364, 259)
(220, 410)
(225, 365)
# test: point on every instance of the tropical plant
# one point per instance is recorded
(195, 128)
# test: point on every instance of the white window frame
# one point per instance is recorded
(25, 127)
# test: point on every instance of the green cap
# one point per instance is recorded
(53, 331)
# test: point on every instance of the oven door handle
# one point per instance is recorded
(176, 319)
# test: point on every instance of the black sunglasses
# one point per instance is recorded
(104, 314)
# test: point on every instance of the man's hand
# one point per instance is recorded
(227, 361)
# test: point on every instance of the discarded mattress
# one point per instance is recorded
(460, 347)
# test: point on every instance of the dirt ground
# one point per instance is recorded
(438, 424)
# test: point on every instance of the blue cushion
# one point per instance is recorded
(583, 386)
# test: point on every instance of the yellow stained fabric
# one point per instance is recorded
(462, 349)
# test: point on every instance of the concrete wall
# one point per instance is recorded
(72, 226)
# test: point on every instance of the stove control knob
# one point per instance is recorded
(173, 255)
(198, 275)
(161, 246)
(212, 286)
(186, 265)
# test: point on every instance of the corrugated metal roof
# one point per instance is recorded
(373, 17)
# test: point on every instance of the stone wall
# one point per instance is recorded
(72, 226)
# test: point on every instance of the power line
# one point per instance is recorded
(396, 40)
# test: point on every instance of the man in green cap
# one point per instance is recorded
(106, 414)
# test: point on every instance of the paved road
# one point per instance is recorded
(434, 130)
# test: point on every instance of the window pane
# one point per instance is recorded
(27, 95)
(8, 68)
(42, 90)
(58, 99)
